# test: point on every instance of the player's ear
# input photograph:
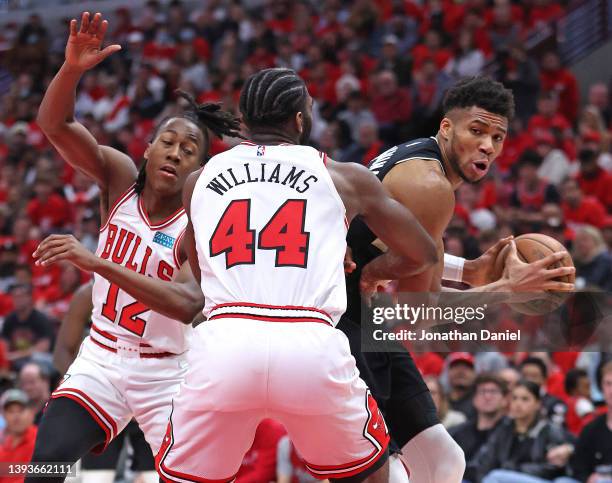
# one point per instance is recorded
(146, 153)
(445, 128)
(299, 122)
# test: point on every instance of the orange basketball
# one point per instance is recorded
(530, 248)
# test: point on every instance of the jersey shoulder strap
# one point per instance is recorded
(423, 148)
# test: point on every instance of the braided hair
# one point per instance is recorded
(271, 96)
(208, 117)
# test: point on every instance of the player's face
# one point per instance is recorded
(175, 152)
(475, 137)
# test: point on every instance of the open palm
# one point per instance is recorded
(83, 47)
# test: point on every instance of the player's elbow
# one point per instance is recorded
(192, 305)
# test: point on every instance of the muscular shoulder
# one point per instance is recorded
(353, 182)
(422, 186)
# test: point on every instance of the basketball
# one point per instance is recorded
(532, 247)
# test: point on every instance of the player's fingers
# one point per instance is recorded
(111, 49)
(73, 27)
(49, 253)
(102, 30)
(57, 258)
(551, 259)
(94, 24)
(84, 22)
(554, 286)
(50, 243)
(560, 272)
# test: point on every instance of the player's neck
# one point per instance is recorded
(159, 208)
(271, 138)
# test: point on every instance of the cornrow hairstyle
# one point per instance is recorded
(480, 92)
(271, 96)
(207, 116)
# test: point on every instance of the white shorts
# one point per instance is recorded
(301, 374)
(115, 387)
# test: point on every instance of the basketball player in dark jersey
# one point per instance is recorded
(423, 175)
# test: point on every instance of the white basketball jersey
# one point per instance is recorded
(129, 239)
(270, 230)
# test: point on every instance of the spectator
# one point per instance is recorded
(593, 262)
(533, 369)
(448, 416)
(356, 113)
(259, 462)
(27, 330)
(593, 179)
(559, 81)
(461, 377)
(391, 59)
(532, 191)
(48, 210)
(510, 376)
(555, 165)
(290, 468)
(366, 148)
(35, 382)
(579, 209)
(519, 72)
(468, 60)
(599, 97)
(19, 434)
(490, 401)
(427, 92)
(524, 448)
(391, 106)
(592, 459)
(580, 407)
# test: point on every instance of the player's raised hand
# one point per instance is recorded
(57, 248)
(83, 50)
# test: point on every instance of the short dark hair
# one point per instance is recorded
(207, 116)
(571, 379)
(490, 378)
(532, 387)
(536, 361)
(480, 92)
(271, 96)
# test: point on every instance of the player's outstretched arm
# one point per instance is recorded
(411, 249)
(180, 299)
(71, 330)
(56, 113)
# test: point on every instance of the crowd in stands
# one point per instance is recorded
(377, 70)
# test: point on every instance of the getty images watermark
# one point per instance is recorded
(408, 314)
(453, 321)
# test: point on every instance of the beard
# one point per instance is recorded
(306, 129)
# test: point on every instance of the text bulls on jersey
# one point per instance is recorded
(124, 246)
(292, 176)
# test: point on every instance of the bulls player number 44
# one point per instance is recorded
(283, 233)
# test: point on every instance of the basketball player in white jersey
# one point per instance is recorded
(134, 359)
(267, 240)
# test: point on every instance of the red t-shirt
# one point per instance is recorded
(22, 453)
(563, 83)
(590, 211)
(51, 213)
(600, 186)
